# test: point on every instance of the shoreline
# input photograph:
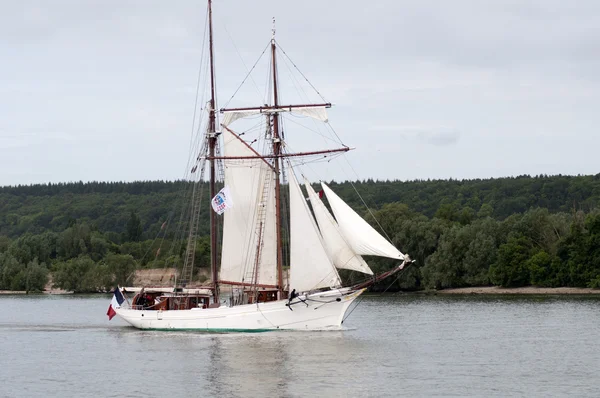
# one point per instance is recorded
(47, 292)
(518, 290)
(491, 290)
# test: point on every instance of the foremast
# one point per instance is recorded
(212, 143)
(277, 165)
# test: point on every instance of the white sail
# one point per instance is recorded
(338, 249)
(232, 116)
(246, 180)
(363, 239)
(310, 266)
(316, 112)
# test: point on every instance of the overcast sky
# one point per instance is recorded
(104, 90)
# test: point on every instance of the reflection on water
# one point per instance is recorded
(394, 345)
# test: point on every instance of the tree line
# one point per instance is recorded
(519, 231)
(84, 259)
(534, 248)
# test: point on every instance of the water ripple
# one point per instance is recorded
(396, 345)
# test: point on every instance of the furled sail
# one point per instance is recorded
(316, 112)
(338, 249)
(251, 184)
(363, 239)
(232, 116)
(310, 266)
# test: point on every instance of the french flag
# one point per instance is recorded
(116, 302)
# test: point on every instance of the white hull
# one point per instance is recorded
(322, 311)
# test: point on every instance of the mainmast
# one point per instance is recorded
(276, 154)
(212, 143)
(276, 161)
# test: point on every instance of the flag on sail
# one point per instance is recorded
(116, 302)
(222, 201)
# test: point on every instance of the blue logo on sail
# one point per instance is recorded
(222, 201)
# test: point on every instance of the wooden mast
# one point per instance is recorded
(277, 153)
(272, 111)
(212, 142)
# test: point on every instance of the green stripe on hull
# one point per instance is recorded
(211, 330)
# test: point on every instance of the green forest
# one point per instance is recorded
(517, 231)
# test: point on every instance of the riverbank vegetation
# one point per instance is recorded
(541, 231)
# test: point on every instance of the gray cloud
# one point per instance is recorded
(104, 90)
(440, 138)
(433, 135)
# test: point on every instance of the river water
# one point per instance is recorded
(394, 345)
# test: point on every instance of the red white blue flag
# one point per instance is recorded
(222, 201)
(116, 302)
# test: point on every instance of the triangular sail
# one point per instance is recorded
(251, 185)
(310, 266)
(338, 249)
(363, 239)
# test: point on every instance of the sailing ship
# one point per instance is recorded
(252, 249)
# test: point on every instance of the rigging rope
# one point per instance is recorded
(197, 89)
(365, 204)
(299, 71)
(247, 75)
(243, 63)
(288, 118)
(152, 244)
(195, 143)
(381, 294)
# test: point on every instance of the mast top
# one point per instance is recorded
(273, 30)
